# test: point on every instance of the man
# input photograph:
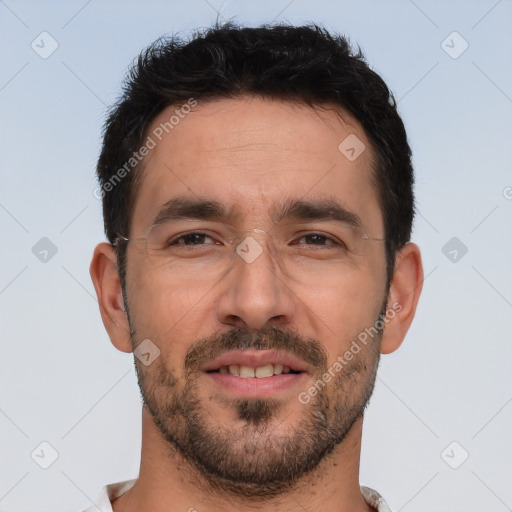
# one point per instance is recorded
(257, 197)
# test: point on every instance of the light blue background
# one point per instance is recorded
(61, 379)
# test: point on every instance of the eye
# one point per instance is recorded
(320, 239)
(192, 238)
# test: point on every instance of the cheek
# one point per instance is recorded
(168, 311)
(156, 304)
(345, 308)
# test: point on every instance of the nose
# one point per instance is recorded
(255, 293)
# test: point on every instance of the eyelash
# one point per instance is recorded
(335, 241)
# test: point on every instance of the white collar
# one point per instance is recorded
(112, 491)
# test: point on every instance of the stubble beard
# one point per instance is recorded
(262, 458)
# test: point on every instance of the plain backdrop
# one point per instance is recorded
(437, 431)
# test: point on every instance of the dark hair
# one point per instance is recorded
(305, 64)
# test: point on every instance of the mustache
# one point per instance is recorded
(243, 338)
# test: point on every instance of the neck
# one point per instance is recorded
(168, 483)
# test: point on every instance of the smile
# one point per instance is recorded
(255, 373)
(259, 372)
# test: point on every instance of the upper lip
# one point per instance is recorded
(254, 359)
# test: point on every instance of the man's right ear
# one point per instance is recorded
(103, 270)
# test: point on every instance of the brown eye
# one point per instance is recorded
(316, 239)
(191, 239)
(319, 239)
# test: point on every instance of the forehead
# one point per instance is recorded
(252, 153)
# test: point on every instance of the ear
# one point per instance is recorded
(403, 296)
(103, 270)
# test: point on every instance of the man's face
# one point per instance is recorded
(262, 289)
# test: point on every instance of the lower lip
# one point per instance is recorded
(253, 386)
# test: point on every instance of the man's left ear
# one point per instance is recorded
(403, 296)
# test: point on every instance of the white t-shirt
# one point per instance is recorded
(110, 492)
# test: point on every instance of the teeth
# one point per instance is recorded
(265, 371)
(260, 372)
(246, 371)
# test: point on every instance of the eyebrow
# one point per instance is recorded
(179, 208)
(316, 209)
(330, 209)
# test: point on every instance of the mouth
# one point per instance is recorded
(260, 372)
(255, 373)
(255, 363)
